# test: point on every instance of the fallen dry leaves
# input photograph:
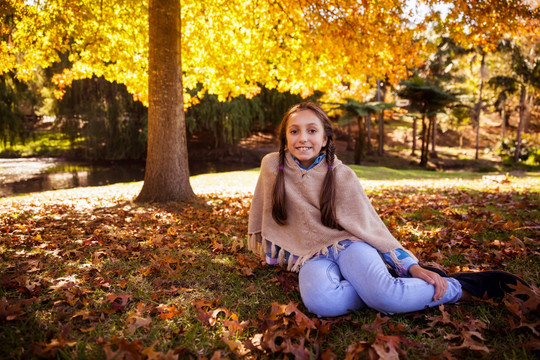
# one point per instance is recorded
(73, 262)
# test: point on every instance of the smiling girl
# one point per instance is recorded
(310, 213)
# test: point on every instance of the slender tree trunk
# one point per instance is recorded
(166, 175)
(368, 132)
(478, 106)
(381, 92)
(434, 136)
(426, 141)
(423, 160)
(360, 142)
(503, 122)
(522, 120)
(414, 135)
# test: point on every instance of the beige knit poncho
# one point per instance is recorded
(304, 235)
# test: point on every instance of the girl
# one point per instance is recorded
(309, 212)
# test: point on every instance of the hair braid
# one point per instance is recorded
(328, 190)
(279, 211)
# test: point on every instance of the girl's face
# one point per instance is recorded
(305, 136)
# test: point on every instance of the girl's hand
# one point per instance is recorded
(431, 278)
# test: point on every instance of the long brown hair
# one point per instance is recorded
(328, 191)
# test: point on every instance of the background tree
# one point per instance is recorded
(526, 67)
(104, 119)
(481, 25)
(359, 112)
(438, 69)
(507, 87)
(166, 160)
(427, 99)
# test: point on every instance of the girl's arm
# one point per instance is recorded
(400, 261)
(406, 266)
(432, 278)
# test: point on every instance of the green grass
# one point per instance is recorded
(40, 144)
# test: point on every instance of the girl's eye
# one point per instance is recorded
(312, 131)
(293, 132)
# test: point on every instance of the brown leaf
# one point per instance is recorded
(118, 302)
(126, 350)
(444, 318)
(135, 322)
(234, 326)
(387, 347)
(167, 312)
(532, 295)
(9, 311)
(376, 325)
(153, 355)
(470, 343)
(235, 346)
(328, 354)
(49, 350)
(358, 350)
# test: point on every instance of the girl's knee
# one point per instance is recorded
(323, 290)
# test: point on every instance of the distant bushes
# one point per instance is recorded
(529, 151)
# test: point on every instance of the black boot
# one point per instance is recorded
(487, 284)
(434, 269)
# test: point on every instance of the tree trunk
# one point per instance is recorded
(478, 106)
(522, 120)
(426, 136)
(423, 159)
(381, 92)
(368, 131)
(414, 135)
(434, 136)
(503, 122)
(360, 142)
(166, 175)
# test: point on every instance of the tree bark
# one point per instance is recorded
(522, 120)
(503, 122)
(434, 137)
(166, 175)
(368, 132)
(360, 142)
(478, 106)
(423, 160)
(414, 134)
(381, 94)
(426, 136)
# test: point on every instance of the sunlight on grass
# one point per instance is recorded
(50, 144)
(225, 183)
(384, 173)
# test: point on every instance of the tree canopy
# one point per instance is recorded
(230, 47)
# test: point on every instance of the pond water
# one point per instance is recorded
(26, 175)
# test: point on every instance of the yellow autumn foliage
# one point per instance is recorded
(340, 47)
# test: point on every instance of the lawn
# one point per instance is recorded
(87, 273)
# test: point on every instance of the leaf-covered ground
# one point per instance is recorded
(87, 273)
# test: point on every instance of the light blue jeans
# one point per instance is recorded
(355, 277)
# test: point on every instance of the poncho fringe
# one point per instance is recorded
(259, 246)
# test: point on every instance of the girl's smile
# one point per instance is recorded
(305, 137)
